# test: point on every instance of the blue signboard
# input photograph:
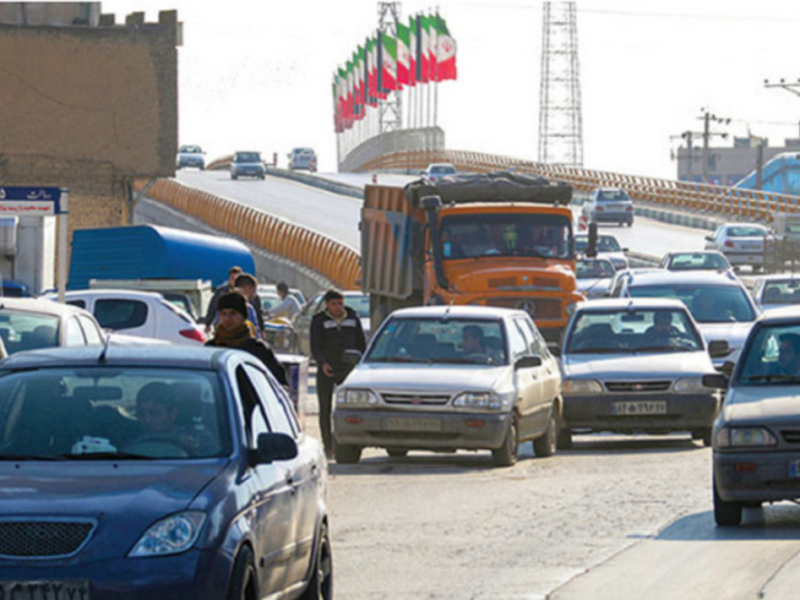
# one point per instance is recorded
(32, 201)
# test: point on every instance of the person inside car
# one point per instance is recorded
(662, 331)
(788, 355)
(472, 341)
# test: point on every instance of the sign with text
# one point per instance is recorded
(31, 201)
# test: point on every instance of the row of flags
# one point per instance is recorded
(423, 51)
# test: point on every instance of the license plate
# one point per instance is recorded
(405, 424)
(52, 590)
(794, 468)
(640, 407)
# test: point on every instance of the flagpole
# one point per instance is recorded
(436, 71)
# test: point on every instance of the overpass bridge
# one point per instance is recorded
(312, 221)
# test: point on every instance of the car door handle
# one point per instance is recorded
(314, 467)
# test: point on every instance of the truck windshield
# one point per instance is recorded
(507, 234)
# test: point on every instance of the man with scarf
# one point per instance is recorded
(333, 331)
(235, 331)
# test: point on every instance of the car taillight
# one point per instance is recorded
(599, 209)
(194, 334)
(729, 244)
(629, 208)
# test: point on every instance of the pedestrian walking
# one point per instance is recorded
(333, 331)
(248, 285)
(219, 291)
(233, 331)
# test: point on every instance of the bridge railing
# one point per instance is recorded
(335, 261)
(716, 199)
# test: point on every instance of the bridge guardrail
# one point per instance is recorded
(335, 261)
(733, 202)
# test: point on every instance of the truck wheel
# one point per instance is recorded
(244, 584)
(546, 445)
(564, 441)
(726, 514)
(703, 434)
(506, 455)
(346, 455)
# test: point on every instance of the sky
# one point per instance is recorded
(256, 74)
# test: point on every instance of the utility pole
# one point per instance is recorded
(789, 87)
(707, 118)
(688, 137)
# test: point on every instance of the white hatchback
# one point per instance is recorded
(144, 314)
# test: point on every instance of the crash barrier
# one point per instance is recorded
(318, 182)
(331, 259)
(713, 199)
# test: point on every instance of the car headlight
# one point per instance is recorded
(581, 386)
(690, 385)
(356, 397)
(172, 535)
(478, 400)
(744, 437)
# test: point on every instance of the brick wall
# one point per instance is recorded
(89, 109)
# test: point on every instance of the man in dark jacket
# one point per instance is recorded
(211, 314)
(233, 331)
(333, 331)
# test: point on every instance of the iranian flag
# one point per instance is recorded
(403, 55)
(362, 80)
(433, 43)
(343, 97)
(358, 104)
(337, 119)
(372, 83)
(350, 105)
(423, 54)
(412, 51)
(445, 51)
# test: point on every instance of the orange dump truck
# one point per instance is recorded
(500, 239)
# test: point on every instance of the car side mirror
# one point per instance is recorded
(709, 238)
(351, 357)
(718, 349)
(272, 447)
(528, 362)
(727, 368)
(717, 381)
(625, 250)
(555, 351)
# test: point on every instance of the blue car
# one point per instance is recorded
(247, 164)
(157, 473)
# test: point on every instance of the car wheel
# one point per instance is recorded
(546, 445)
(564, 441)
(233, 176)
(506, 455)
(397, 452)
(346, 455)
(320, 587)
(202, 168)
(244, 584)
(726, 514)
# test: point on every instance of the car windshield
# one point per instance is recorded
(447, 341)
(633, 331)
(746, 231)
(269, 301)
(605, 243)
(698, 261)
(707, 303)
(27, 330)
(772, 356)
(506, 234)
(612, 196)
(442, 170)
(781, 292)
(247, 157)
(592, 269)
(359, 303)
(129, 413)
(190, 150)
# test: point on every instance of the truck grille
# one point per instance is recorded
(637, 386)
(543, 308)
(39, 539)
(415, 399)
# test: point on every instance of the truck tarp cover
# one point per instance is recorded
(151, 252)
(491, 187)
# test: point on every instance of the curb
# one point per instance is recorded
(342, 189)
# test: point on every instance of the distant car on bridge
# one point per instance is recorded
(436, 171)
(607, 247)
(609, 205)
(302, 158)
(742, 243)
(247, 164)
(190, 156)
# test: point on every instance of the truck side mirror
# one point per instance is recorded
(591, 246)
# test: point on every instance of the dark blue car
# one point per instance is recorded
(156, 473)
